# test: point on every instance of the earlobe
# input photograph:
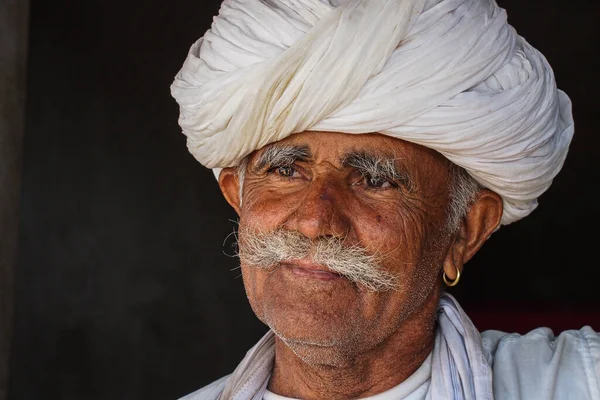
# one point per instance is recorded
(230, 187)
(453, 263)
(480, 222)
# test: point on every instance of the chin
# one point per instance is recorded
(316, 341)
(310, 325)
(309, 330)
(317, 355)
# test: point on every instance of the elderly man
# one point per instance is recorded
(370, 148)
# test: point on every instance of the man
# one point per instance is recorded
(370, 148)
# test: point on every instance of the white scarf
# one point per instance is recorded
(460, 370)
(451, 75)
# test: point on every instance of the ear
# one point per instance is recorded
(478, 225)
(230, 187)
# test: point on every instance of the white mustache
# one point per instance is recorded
(265, 250)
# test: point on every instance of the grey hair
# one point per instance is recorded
(282, 155)
(464, 190)
(241, 173)
(376, 167)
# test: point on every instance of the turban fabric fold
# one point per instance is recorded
(451, 75)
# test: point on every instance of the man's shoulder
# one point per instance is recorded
(540, 363)
(211, 391)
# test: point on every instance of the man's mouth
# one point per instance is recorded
(310, 270)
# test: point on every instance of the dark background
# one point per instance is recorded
(124, 290)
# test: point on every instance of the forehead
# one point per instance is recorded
(332, 147)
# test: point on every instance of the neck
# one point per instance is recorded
(379, 369)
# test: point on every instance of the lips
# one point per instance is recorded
(310, 270)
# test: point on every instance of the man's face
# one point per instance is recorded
(382, 194)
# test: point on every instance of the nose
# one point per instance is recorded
(321, 212)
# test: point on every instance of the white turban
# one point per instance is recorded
(451, 75)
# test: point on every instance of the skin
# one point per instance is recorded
(335, 339)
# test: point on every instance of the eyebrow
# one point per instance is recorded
(282, 155)
(378, 166)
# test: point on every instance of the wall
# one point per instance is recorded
(124, 289)
(13, 52)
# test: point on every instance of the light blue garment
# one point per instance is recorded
(465, 364)
(539, 365)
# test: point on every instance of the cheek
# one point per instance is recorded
(265, 208)
(389, 228)
(254, 283)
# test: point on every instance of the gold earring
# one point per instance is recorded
(454, 282)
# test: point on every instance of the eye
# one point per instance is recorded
(286, 171)
(378, 183)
